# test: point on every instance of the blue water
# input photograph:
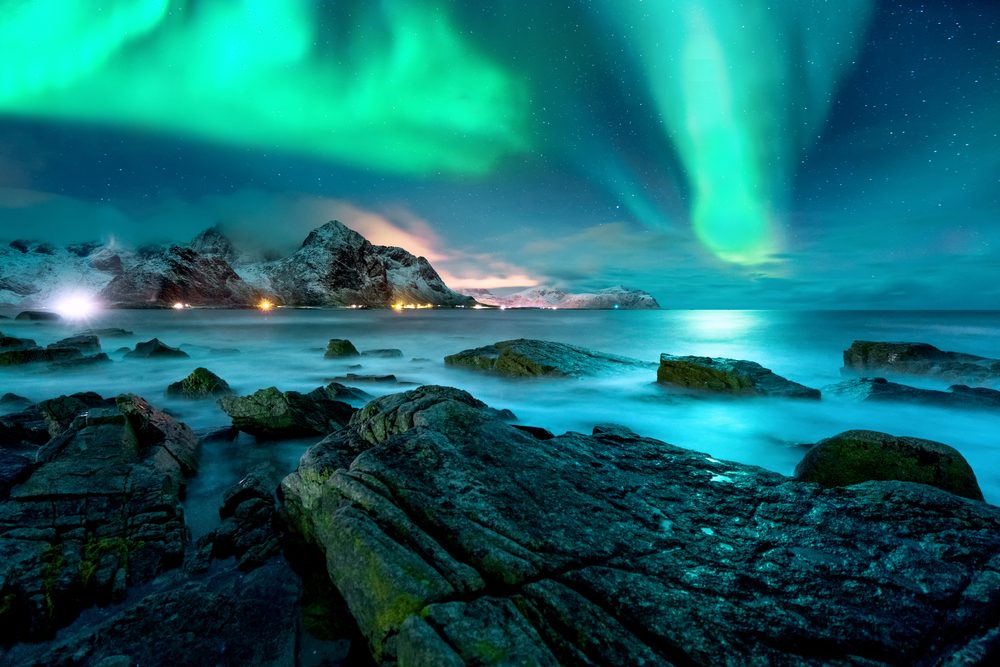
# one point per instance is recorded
(285, 349)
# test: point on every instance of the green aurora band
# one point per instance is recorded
(742, 89)
(397, 89)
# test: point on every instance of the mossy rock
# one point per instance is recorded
(728, 376)
(853, 457)
(201, 383)
(339, 348)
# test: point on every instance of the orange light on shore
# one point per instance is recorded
(265, 305)
(411, 306)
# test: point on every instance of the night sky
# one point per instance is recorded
(717, 153)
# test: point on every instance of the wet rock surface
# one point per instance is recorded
(97, 512)
(866, 357)
(881, 389)
(270, 414)
(456, 538)
(728, 376)
(83, 343)
(201, 383)
(859, 456)
(540, 358)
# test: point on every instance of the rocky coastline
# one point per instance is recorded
(425, 527)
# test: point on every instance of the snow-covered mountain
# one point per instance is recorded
(545, 297)
(334, 267)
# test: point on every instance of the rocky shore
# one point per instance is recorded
(426, 527)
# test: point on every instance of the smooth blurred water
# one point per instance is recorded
(285, 349)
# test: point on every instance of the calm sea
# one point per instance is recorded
(285, 349)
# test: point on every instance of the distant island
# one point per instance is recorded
(334, 267)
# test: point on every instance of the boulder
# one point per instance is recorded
(84, 343)
(61, 411)
(919, 359)
(155, 349)
(249, 521)
(880, 389)
(201, 383)
(540, 358)
(853, 457)
(728, 376)
(339, 348)
(98, 512)
(269, 414)
(456, 538)
(38, 316)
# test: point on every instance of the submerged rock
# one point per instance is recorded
(36, 355)
(9, 343)
(111, 332)
(98, 513)
(201, 383)
(81, 362)
(339, 348)
(11, 402)
(383, 354)
(269, 414)
(859, 456)
(456, 538)
(38, 316)
(155, 349)
(728, 376)
(880, 389)
(377, 379)
(919, 359)
(84, 343)
(540, 358)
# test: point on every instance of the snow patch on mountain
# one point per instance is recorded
(611, 298)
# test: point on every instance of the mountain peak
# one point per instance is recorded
(214, 242)
(334, 232)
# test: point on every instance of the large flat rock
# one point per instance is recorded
(866, 357)
(456, 538)
(525, 357)
(719, 375)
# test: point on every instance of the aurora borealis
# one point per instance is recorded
(716, 153)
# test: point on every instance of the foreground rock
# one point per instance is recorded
(859, 456)
(97, 511)
(880, 389)
(728, 376)
(201, 383)
(458, 539)
(269, 414)
(540, 358)
(232, 618)
(919, 359)
(156, 349)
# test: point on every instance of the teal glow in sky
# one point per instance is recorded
(717, 153)
(400, 89)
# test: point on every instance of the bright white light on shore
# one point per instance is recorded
(76, 306)
(178, 306)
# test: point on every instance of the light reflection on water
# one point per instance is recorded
(285, 348)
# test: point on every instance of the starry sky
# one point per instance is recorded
(716, 153)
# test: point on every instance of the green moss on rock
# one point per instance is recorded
(853, 457)
(201, 383)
